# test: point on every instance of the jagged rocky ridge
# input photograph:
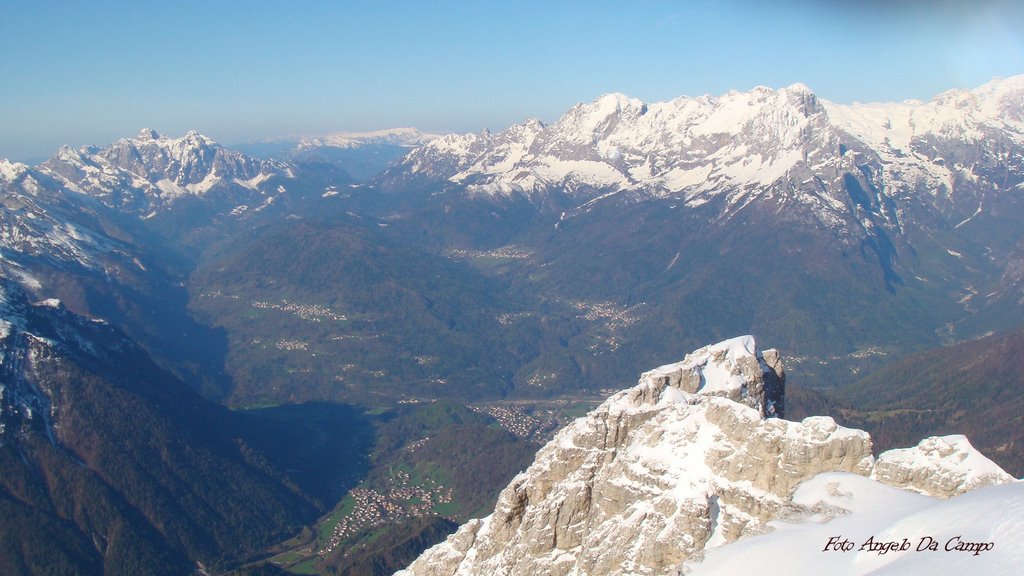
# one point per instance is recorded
(743, 144)
(38, 221)
(687, 460)
(150, 172)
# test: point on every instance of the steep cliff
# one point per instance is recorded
(690, 458)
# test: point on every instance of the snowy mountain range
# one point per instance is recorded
(690, 461)
(761, 142)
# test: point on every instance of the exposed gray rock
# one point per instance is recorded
(943, 466)
(686, 460)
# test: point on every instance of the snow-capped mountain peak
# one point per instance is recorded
(586, 122)
(994, 108)
(11, 171)
(799, 88)
(149, 172)
(148, 134)
(1002, 98)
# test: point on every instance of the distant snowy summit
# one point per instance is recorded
(740, 146)
(360, 155)
(151, 171)
(402, 137)
(147, 174)
(690, 461)
(11, 171)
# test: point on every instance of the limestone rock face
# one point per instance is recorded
(688, 459)
(943, 466)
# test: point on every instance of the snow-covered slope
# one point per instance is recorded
(40, 223)
(149, 172)
(32, 333)
(975, 533)
(899, 128)
(687, 460)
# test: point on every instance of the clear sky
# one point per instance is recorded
(89, 72)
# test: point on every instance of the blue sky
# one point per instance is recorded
(91, 72)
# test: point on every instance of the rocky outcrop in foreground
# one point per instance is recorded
(690, 458)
